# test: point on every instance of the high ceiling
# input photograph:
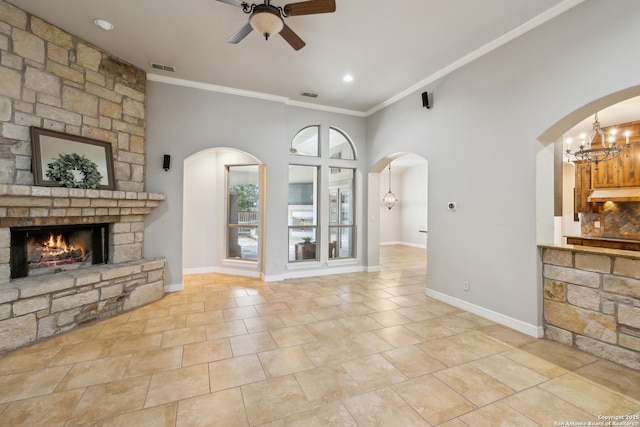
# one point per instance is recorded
(390, 47)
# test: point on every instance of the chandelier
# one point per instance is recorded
(390, 199)
(607, 151)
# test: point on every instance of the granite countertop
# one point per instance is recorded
(592, 250)
(607, 239)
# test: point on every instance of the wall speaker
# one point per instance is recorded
(166, 162)
(427, 100)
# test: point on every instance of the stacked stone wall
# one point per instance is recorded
(55, 80)
(52, 79)
(592, 301)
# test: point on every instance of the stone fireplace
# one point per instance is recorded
(39, 304)
(54, 80)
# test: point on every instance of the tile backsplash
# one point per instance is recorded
(617, 221)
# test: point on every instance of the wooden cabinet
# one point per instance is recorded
(629, 162)
(623, 171)
(607, 175)
(583, 187)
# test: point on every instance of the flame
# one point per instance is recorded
(57, 243)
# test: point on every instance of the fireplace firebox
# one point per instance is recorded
(49, 249)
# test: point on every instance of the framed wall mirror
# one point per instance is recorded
(49, 146)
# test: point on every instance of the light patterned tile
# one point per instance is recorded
(191, 307)
(27, 359)
(82, 352)
(589, 396)
(284, 361)
(546, 408)
(273, 399)
(207, 351)
(55, 408)
(153, 361)
(398, 336)
(334, 414)
(183, 336)
(111, 399)
(508, 372)
(252, 343)
(235, 372)
(195, 319)
(497, 414)
(295, 335)
(383, 408)
(476, 386)
(99, 371)
(448, 352)
(412, 362)
(434, 400)
(158, 416)
(261, 324)
(178, 384)
(223, 408)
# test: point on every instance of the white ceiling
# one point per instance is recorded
(391, 47)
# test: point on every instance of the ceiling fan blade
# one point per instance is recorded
(292, 38)
(240, 34)
(310, 7)
(232, 2)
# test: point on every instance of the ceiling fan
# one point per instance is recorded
(268, 19)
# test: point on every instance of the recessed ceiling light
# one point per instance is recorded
(347, 78)
(105, 25)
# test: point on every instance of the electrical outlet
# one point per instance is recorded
(465, 286)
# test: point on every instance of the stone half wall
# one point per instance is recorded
(592, 301)
(52, 79)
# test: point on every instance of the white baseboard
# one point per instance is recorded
(413, 245)
(518, 325)
(373, 269)
(199, 270)
(221, 270)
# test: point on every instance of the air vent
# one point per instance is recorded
(309, 94)
(169, 68)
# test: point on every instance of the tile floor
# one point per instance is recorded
(366, 349)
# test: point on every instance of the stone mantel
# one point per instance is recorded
(25, 205)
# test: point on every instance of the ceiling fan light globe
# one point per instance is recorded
(266, 22)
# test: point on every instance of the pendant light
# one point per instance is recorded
(390, 199)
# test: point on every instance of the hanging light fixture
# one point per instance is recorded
(609, 150)
(390, 199)
(266, 19)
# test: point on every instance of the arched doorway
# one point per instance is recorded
(221, 230)
(405, 225)
(555, 208)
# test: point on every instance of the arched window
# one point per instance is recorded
(305, 143)
(340, 146)
(307, 242)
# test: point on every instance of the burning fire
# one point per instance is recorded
(56, 245)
